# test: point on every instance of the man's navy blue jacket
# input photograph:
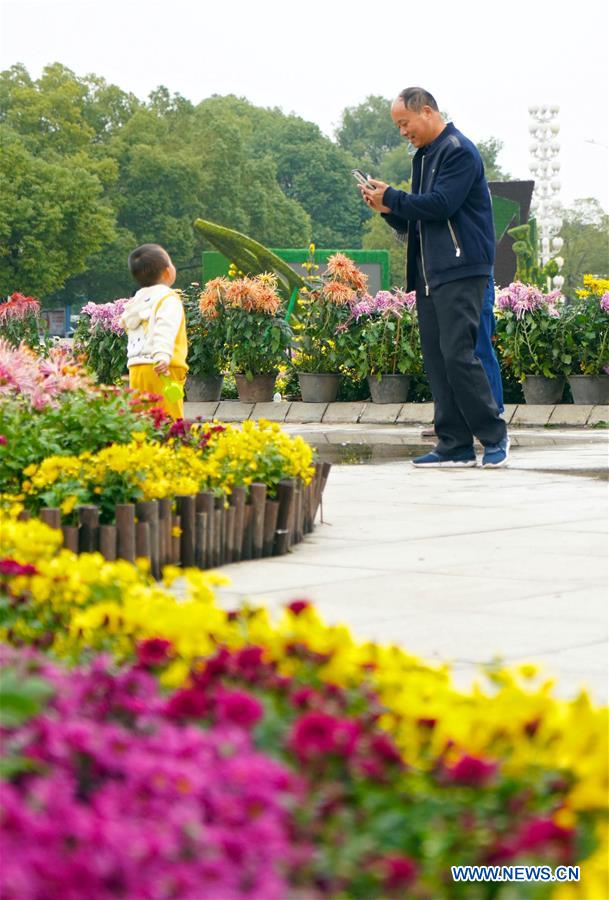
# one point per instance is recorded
(451, 203)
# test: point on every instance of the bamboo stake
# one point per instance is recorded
(108, 541)
(271, 509)
(88, 538)
(258, 500)
(51, 516)
(237, 499)
(148, 511)
(125, 526)
(185, 504)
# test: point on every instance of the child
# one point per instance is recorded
(156, 327)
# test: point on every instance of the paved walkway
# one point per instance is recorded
(461, 565)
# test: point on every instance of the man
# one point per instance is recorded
(451, 249)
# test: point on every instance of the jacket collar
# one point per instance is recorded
(449, 128)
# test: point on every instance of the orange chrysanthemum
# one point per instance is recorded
(212, 296)
(344, 270)
(337, 293)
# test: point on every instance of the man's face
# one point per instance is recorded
(416, 127)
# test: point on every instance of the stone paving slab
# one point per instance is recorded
(380, 413)
(306, 412)
(416, 413)
(343, 413)
(234, 411)
(531, 415)
(201, 409)
(598, 414)
(274, 412)
(567, 414)
(508, 411)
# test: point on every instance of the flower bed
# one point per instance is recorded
(93, 460)
(376, 773)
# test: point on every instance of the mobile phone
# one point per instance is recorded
(362, 178)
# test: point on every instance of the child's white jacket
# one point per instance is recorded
(152, 319)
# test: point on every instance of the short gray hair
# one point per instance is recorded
(415, 98)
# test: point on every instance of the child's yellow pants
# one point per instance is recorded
(145, 380)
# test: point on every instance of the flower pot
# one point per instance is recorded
(390, 388)
(203, 388)
(541, 390)
(259, 390)
(592, 390)
(318, 388)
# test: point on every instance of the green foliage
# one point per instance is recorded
(368, 132)
(322, 347)
(532, 344)
(104, 350)
(377, 236)
(257, 344)
(585, 337)
(385, 345)
(206, 337)
(585, 233)
(80, 421)
(52, 217)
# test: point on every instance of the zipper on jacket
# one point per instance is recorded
(454, 237)
(421, 234)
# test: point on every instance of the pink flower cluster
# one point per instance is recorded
(385, 303)
(526, 298)
(18, 306)
(123, 802)
(604, 302)
(106, 316)
(40, 379)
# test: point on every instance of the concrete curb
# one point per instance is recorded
(367, 413)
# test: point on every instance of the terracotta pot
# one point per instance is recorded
(541, 390)
(259, 390)
(389, 389)
(591, 390)
(318, 388)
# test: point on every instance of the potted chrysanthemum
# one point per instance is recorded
(586, 340)
(384, 341)
(257, 337)
(321, 335)
(529, 340)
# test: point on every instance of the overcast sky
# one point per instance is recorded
(486, 62)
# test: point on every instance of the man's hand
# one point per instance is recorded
(162, 368)
(373, 197)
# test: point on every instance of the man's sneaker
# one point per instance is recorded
(463, 459)
(496, 455)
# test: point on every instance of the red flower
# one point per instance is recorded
(398, 871)
(303, 697)
(238, 708)
(12, 567)
(297, 606)
(249, 660)
(154, 651)
(540, 832)
(384, 748)
(3, 441)
(317, 734)
(190, 703)
(472, 771)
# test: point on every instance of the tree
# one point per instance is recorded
(489, 151)
(368, 132)
(585, 233)
(379, 236)
(52, 217)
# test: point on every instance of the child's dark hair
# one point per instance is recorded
(147, 263)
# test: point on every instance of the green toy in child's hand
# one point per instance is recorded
(173, 391)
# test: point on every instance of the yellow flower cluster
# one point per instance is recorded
(593, 285)
(257, 451)
(512, 716)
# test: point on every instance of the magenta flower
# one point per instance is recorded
(12, 567)
(541, 832)
(604, 302)
(154, 651)
(526, 298)
(238, 708)
(298, 606)
(471, 771)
